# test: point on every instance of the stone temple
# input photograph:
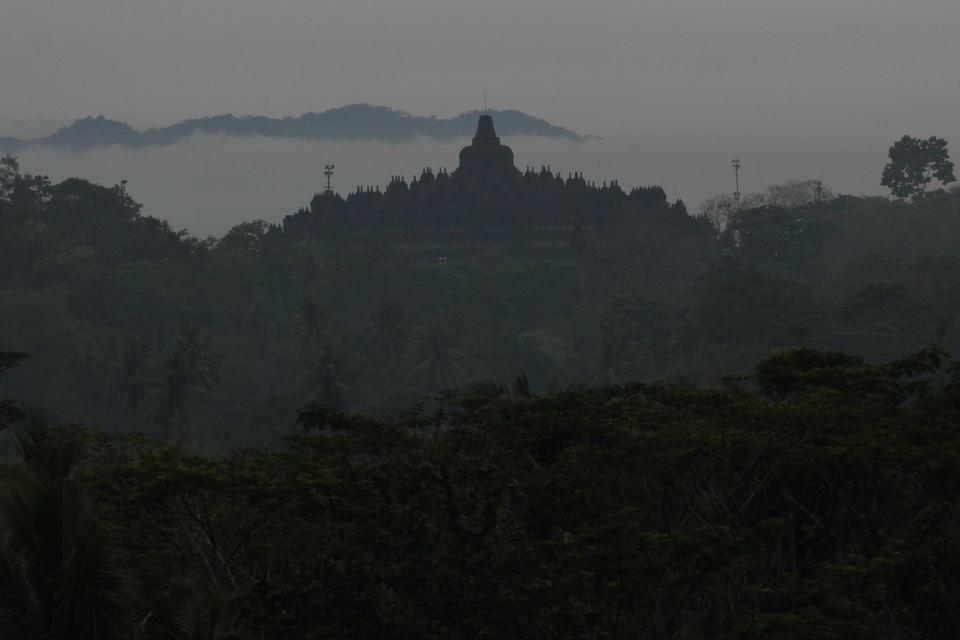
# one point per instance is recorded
(486, 201)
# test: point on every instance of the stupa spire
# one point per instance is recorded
(486, 134)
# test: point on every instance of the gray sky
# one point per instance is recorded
(602, 66)
(797, 88)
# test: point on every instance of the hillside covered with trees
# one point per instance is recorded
(132, 325)
(595, 415)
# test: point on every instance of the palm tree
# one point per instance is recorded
(439, 363)
(60, 577)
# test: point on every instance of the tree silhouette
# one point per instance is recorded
(327, 377)
(797, 193)
(20, 189)
(126, 379)
(10, 413)
(9, 175)
(632, 335)
(60, 577)
(186, 374)
(314, 322)
(718, 210)
(618, 364)
(388, 324)
(487, 394)
(439, 361)
(915, 163)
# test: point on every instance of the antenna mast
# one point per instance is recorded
(736, 171)
(328, 171)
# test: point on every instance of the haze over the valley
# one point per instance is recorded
(209, 183)
(814, 89)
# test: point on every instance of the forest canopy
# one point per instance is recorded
(593, 415)
(814, 498)
(132, 325)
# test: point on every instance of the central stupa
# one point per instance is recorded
(486, 158)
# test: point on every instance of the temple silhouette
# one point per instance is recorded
(486, 159)
(485, 200)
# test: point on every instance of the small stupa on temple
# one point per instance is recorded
(486, 159)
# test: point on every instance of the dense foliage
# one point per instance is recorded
(131, 325)
(816, 498)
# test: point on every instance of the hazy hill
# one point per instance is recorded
(352, 122)
(11, 145)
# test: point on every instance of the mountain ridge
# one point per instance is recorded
(355, 122)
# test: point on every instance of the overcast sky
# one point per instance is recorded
(600, 66)
(797, 88)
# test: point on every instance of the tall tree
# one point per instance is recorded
(326, 379)
(60, 574)
(125, 376)
(915, 163)
(439, 361)
(388, 323)
(186, 374)
(314, 325)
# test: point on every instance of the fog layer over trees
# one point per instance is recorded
(207, 184)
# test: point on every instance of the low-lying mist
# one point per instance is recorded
(207, 184)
